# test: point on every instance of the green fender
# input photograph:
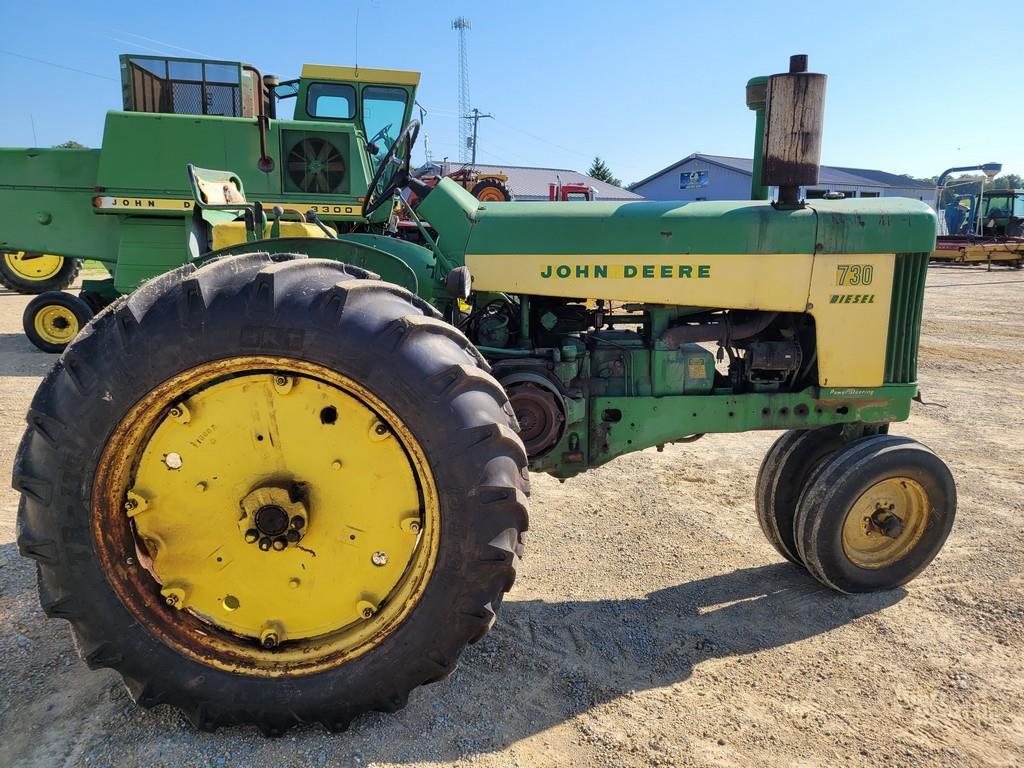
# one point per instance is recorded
(396, 261)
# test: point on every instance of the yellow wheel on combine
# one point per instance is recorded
(28, 272)
(489, 190)
(53, 319)
(874, 514)
(307, 494)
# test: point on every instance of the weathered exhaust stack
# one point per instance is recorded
(789, 150)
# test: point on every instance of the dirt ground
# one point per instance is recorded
(651, 624)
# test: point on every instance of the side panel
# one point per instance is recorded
(776, 281)
(849, 299)
(46, 203)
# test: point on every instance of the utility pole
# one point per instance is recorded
(476, 117)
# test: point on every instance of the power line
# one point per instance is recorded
(58, 66)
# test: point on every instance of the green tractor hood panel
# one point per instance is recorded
(879, 225)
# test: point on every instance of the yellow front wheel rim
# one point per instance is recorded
(284, 519)
(885, 523)
(56, 324)
(32, 266)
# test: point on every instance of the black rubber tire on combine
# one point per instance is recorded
(64, 277)
(491, 191)
(315, 311)
(783, 474)
(73, 311)
(832, 510)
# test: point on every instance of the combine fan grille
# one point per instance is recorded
(909, 275)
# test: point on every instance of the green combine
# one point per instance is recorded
(287, 480)
(128, 204)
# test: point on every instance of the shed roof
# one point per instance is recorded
(828, 174)
(531, 183)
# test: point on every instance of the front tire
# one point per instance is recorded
(784, 471)
(875, 514)
(94, 474)
(53, 319)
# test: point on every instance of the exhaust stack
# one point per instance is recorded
(790, 110)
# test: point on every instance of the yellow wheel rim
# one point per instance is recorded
(33, 266)
(279, 518)
(491, 195)
(885, 523)
(55, 324)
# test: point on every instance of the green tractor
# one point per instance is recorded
(127, 205)
(288, 481)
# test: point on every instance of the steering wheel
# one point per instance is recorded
(381, 134)
(399, 157)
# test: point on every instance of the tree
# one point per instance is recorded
(69, 144)
(599, 170)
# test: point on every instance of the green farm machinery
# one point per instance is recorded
(286, 480)
(128, 205)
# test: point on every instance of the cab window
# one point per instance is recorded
(383, 116)
(331, 101)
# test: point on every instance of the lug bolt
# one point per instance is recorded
(171, 600)
(414, 526)
(251, 536)
(281, 381)
(175, 412)
(380, 429)
(335, 464)
(280, 543)
(265, 543)
(367, 613)
(379, 558)
(270, 640)
(131, 504)
(292, 535)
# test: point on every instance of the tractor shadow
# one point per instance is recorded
(546, 662)
(18, 357)
(543, 664)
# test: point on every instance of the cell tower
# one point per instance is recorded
(460, 25)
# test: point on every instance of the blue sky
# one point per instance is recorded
(642, 84)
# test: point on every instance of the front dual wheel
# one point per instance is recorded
(304, 493)
(861, 516)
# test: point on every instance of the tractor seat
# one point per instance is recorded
(220, 200)
(219, 191)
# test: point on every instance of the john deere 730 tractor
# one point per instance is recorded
(287, 482)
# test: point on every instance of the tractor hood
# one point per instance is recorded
(467, 227)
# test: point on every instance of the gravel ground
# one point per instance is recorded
(651, 623)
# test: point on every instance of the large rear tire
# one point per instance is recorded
(265, 376)
(37, 272)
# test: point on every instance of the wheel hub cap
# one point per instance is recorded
(56, 324)
(885, 523)
(277, 507)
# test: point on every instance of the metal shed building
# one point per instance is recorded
(531, 183)
(718, 177)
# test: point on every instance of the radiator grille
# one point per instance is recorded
(909, 276)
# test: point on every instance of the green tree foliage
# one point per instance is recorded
(69, 144)
(599, 170)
